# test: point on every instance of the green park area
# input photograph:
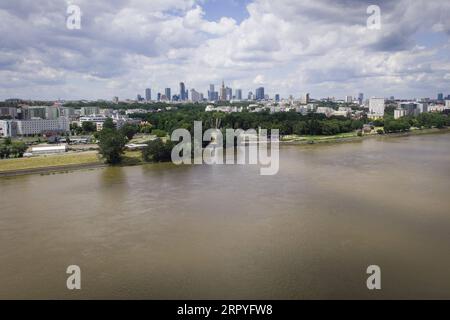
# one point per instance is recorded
(57, 160)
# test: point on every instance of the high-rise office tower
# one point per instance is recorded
(238, 94)
(159, 96)
(182, 92)
(148, 94)
(250, 96)
(223, 92)
(361, 98)
(260, 93)
(211, 93)
(440, 96)
(168, 94)
(277, 98)
(195, 96)
(304, 98)
(228, 93)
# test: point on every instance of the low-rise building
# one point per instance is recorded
(325, 110)
(48, 149)
(226, 109)
(399, 113)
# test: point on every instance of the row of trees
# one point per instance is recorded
(9, 149)
(423, 120)
(286, 122)
(112, 144)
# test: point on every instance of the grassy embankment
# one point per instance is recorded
(63, 160)
(57, 160)
(350, 136)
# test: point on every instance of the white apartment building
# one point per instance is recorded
(399, 113)
(8, 128)
(37, 126)
(326, 111)
(410, 108)
(12, 128)
(447, 104)
(376, 108)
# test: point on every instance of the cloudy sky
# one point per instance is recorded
(288, 46)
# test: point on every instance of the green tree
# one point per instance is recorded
(18, 149)
(112, 145)
(5, 151)
(129, 130)
(88, 126)
(158, 151)
(159, 133)
(147, 128)
(109, 124)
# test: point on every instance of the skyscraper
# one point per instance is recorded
(440, 96)
(229, 93)
(277, 98)
(361, 98)
(211, 93)
(238, 94)
(168, 94)
(148, 94)
(223, 92)
(304, 99)
(260, 93)
(195, 96)
(182, 91)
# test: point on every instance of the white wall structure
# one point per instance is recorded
(37, 126)
(48, 149)
(12, 128)
(376, 107)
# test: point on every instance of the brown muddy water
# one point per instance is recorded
(226, 232)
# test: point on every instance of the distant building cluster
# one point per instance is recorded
(224, 93)
(25, 120)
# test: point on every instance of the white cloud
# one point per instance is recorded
(289, 46)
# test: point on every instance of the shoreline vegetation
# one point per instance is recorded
(57, 163)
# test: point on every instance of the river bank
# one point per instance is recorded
(352, 137)
(91, 160)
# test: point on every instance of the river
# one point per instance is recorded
(161, 231)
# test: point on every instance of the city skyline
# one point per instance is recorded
(289, 48)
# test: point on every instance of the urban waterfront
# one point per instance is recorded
(159, 231)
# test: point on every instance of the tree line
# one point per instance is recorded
(10, 149)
